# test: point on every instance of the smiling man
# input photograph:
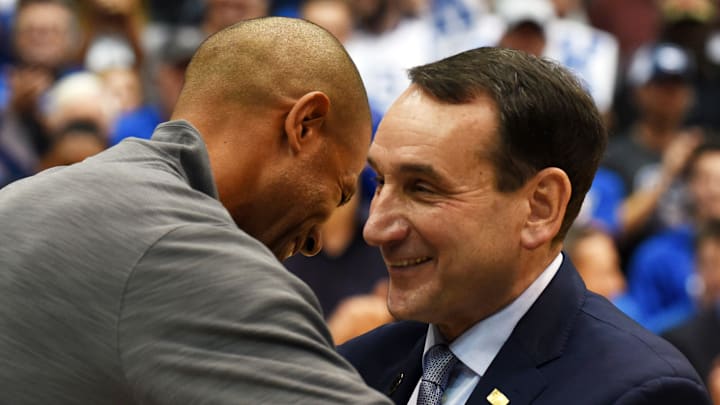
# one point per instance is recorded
(483, 164)
(149, 273)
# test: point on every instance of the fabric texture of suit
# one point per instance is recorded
(699, 339)
(571, 347)
(125, 281)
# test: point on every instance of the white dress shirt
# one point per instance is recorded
(478, 346)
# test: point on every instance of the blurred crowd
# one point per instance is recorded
(77, 77)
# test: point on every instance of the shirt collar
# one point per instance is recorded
(478, 346)
(182, 142)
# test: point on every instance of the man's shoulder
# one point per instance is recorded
(671, 250)
(636, 366)
(671, 238)
(624, 153)
(626, 347)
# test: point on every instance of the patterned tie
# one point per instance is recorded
(437, 363)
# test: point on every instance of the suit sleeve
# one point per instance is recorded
(666, 390)
(210, 316)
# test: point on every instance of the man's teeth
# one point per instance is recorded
(410, 262)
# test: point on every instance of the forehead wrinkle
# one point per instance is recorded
(404, 168)
(423, 169)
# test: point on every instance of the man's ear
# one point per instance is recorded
(548, 194)
(305, 119)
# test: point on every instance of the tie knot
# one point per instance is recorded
(437, 363)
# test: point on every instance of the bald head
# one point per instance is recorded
(286, 124)
(262, 62)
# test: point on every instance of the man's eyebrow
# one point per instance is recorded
(423, 169)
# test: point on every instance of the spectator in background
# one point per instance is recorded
(79, 97)
(219, 14)
(595, 255)
(286, 8)
(602, 202)
(458, 25)
(693, 26)
(525, 24)
(634, 23)
(44, 35)
(174, 13)
(707, 263)
(571, 10)
(536, 27)
(112, 34)
(689, 25)
(73, 143)
(385, 43)
(335, 16)
(132, 115)
(188, 18)
(114, 50)
(650, 156)
(169, 70)
(77, 116)
(661, 270)
(698, 338)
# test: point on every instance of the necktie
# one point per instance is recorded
(437, 363)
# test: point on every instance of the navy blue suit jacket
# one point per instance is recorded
(571, 347)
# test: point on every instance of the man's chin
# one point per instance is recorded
(401, 312)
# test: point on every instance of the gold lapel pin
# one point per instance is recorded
(497, 398)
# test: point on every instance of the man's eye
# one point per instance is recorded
(420, 187)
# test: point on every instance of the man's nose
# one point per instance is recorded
(386, 223)
(313, 243)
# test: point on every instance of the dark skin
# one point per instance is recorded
(265, 129)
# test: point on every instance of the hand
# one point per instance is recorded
(677, 154)
(27, 84)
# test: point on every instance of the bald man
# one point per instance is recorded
(150, 274)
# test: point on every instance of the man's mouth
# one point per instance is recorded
(409, 262)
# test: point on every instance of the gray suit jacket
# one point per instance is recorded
(123, 280)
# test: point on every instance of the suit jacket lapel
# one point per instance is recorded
(401, 380)
(538, 338)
